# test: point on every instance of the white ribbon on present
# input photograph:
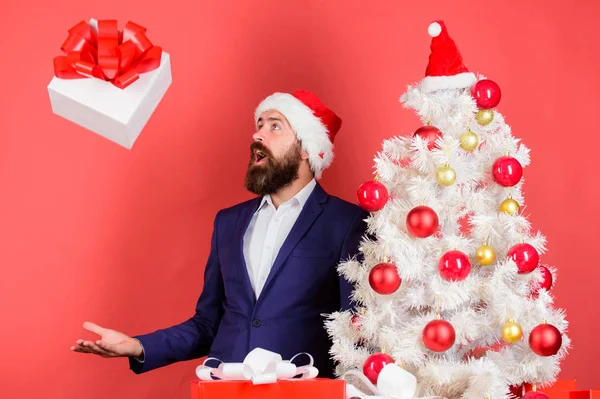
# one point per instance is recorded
(260, 366)
(393, 382)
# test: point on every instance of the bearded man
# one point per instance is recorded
(272, 269)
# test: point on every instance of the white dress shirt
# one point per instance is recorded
(267, 232)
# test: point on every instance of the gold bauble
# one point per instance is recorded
(445, 175)
(485, 116)
(485, 255)
(512, 332)
(469, 141)
(509, 206)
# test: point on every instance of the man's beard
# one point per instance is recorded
(274, 174)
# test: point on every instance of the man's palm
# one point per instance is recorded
(111, 343)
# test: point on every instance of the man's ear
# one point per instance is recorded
(304, 155)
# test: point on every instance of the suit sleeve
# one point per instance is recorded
(350, 248)
(193, 338)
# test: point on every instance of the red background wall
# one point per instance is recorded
(91, 231)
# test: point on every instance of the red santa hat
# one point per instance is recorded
(315, 125)
(446, 69)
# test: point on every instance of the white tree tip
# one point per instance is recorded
(434, 29)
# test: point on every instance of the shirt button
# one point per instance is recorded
(256, 323)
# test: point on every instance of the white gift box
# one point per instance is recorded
(116, 114)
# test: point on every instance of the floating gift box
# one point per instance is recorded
(109, 81)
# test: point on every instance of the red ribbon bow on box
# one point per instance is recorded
(111, 55)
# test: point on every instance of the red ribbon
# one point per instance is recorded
(111, 55)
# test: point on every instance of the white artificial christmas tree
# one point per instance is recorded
(449, 284)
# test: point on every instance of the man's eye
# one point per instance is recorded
(259, 127)
(275, 126)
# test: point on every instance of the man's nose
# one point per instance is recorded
(258, 136)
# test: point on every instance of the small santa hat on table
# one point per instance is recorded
(446, 69)
(315, 125)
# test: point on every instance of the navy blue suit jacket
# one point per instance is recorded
(287, 318)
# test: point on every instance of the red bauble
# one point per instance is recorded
(546, 282)
(454, 266)
(429, 133)
(535, 395)
(545, 340)
(507, 171)
(439, 335)
(372, 196)
(422, 221)
(384, 278)
(486, 93)
(525, 256)
(374, 364)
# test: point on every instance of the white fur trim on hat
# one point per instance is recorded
(308, 128)
(460, 81)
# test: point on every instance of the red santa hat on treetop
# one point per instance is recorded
(445, 69)
(315, 125)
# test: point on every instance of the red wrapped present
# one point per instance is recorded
(559, 390)
(317, 388)
(264, 375)
(585, 394)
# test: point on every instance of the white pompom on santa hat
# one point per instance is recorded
(445, 69)
(315, 125)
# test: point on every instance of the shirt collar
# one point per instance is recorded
(303, 194)
(301, 197)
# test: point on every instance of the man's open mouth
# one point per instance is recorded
(259, 156)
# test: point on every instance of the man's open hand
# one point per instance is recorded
(110, 344)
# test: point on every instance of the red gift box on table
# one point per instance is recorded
(317, 388)
(264, 375)
(585, 394)
(561, 389)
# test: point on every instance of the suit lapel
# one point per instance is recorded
(309, 214)
(245, 218)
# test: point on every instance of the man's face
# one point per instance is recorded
(275, 155)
